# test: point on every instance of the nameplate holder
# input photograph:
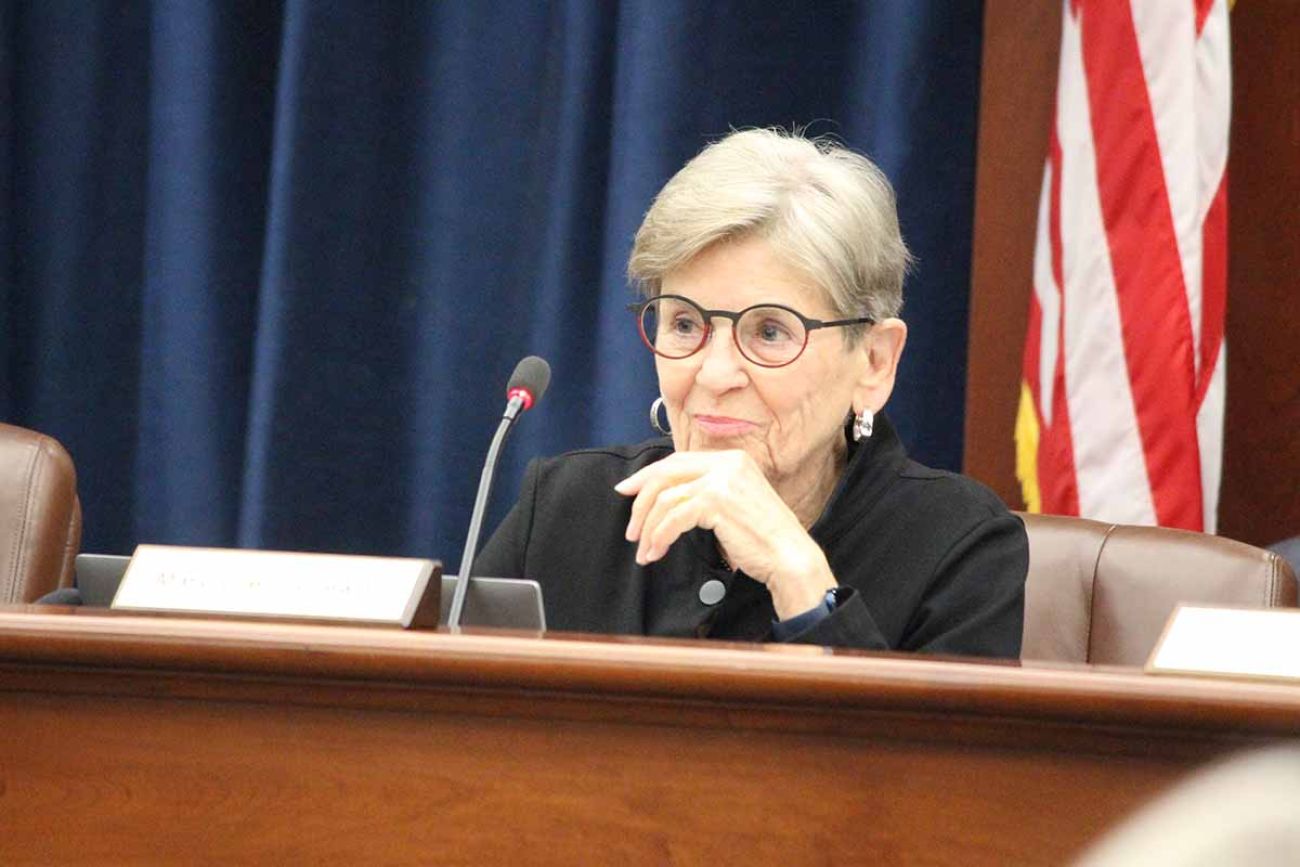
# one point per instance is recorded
(1254, 643)
(400, 591)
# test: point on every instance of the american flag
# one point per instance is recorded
(1121, 410)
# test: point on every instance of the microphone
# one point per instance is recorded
(527, 385)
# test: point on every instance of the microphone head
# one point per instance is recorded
(529, 380)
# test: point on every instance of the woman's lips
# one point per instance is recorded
(723, 426)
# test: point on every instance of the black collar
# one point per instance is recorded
(872, 465)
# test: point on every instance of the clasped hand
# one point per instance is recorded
(727, 493)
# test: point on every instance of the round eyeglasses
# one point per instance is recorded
(769, 335)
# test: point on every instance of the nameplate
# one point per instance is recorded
(396, 590)
(1231, 642)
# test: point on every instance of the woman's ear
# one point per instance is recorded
(883, 346)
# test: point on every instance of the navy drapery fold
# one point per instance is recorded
(267, 266)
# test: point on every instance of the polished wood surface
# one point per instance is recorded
(1017, 95)
(1259, 502)
(136, 739)
(1261, 461)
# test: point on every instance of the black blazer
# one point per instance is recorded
(933, 561)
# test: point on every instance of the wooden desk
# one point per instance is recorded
(130, 739)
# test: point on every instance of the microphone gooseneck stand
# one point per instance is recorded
(517, 402)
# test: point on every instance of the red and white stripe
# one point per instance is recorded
(1124, 360)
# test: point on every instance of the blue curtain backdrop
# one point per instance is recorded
(265, 267)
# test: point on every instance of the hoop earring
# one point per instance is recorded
(663, 429)
(863, 423)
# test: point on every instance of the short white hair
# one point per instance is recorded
(827, 212)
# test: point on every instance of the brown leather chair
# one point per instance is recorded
(40, 515)
(1100, 593)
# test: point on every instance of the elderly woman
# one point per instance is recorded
(782, 505)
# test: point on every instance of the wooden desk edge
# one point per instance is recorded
(581, 666)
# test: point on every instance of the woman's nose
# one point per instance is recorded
(722, 366)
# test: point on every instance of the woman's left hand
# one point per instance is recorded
(727, 493)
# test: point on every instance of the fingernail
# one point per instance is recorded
(621, 487)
